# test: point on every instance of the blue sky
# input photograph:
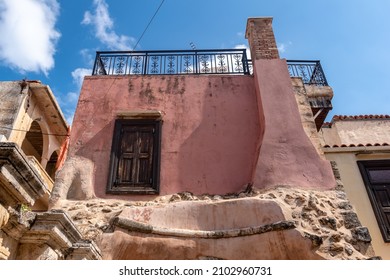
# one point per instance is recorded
(55, 41)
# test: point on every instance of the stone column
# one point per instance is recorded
(4, 216)
(286, 155)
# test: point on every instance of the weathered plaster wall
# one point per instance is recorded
(11, 99)
(209, 134)
(287, 156)
(361, 131)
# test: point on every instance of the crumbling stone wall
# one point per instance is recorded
(325, 219)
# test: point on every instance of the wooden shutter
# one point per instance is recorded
(376, 176)
(135, 157)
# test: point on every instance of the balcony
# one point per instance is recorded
(316, 88)
(180, 62)
(229, 61)
(309, 70)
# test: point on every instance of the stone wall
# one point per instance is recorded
(294, 224)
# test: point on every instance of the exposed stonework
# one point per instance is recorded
(308, 123)
(324, 219)
(49, 235)
(4, 216)
(20, 182)
(11, 96)
(73, 180)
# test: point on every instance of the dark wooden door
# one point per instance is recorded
(135, 156)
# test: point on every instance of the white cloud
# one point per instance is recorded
(243, 46)
(103, 24)
(79, 74)
(70, 99)
(28, 35)
(282, 47)
(88, 56)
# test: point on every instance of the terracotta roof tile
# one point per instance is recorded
(354, 117)
(359, 117)
(358, 145)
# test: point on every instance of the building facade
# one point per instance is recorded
(360, 146)
(203, 154)
(32, 131)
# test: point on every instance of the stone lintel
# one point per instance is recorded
(55, 228)
(151, 114)
(20, 182)
(84, 250)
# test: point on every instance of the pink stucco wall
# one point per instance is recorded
(287, 156)
(210, 128)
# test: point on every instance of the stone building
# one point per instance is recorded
(32, 130)
(360, 145)
(204, 154)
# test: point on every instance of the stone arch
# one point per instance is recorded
(51, 164)
(32, 144)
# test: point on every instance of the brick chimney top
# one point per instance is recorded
(261, 38)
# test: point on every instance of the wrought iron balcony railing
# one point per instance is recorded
(230, 61)
(309, 70)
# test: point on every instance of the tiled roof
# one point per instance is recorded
(352, 118)
(359, 117)
(358, 145)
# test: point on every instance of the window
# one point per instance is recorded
(135, 157)
(376, 176)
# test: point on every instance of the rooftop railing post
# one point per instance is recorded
(319, 68)
(245, 63)
(94, 65)
(145, 64)
(196, 63)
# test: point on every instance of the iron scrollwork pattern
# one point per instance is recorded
(310, 71)
(221, 64)
(120, 63)
(154, 67)
(229, 61)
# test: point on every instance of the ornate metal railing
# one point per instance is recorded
(309, 70)
(229, 61)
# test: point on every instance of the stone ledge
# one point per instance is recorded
(56, 230)
(132, 225)
(84, 250)
(21, 184)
